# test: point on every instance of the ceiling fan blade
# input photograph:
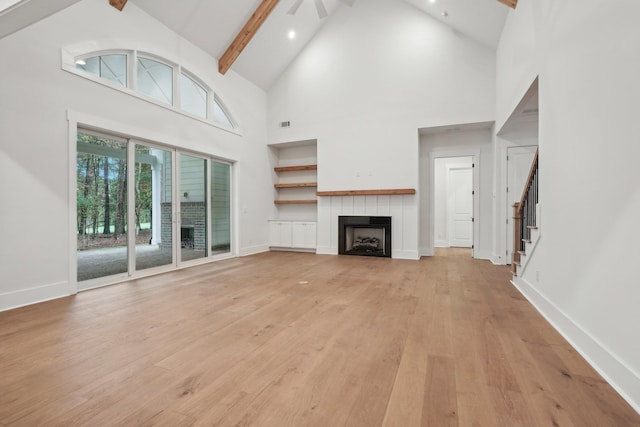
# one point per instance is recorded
(322, 11)
(349, 2)
(294, 8)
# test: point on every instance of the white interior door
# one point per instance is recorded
(519, 160)
(460, 195)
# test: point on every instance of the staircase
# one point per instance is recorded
(525, 221)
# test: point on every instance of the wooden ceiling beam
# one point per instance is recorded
(118, 4)
(245, 35)
(511, 3)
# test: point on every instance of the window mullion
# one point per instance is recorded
(133, 70)
(177, 89)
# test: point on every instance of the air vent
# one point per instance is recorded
(285, 124)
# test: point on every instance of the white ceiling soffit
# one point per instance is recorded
(481, 20)
(524, 119)
(26, 12)
(461, 127)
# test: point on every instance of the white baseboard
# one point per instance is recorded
(620, 376)
(412, 255)
(478, 254)
(23, 297)
(425, 251)
(498, 260)
(290, 249)
(252, 250)
(326, 250)
(441, 243)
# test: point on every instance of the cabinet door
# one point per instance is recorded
(310, 236)
(304, 235)
(280, 234)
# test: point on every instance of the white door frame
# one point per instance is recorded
(475, 155)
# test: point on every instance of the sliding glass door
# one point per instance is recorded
(143, 208)
(220, 208)
(193, 207)
(153, 209)
(101, 200)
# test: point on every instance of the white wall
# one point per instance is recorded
(373, 76)
(586, 259)
(37, 98)
(477, 143)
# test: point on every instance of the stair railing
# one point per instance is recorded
(524, 214)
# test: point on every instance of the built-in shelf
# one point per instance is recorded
(281, 185)
(295, 202)
(295, 168)
(295, 208)
(389, 192)
(296, 185)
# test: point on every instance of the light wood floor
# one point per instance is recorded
(292, 339)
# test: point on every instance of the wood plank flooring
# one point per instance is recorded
(295, 339)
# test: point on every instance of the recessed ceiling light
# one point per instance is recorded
(292, 34)
(432, 1)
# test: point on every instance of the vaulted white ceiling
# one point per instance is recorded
(213, 24)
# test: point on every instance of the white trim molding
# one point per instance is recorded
(34, 295)
(615, 371)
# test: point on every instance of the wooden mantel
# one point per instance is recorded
(388, 192)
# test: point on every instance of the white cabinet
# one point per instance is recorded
(292, 234)
(280, 234)
(303, 235)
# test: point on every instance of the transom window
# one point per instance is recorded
(194, 98)
(158, 79)
(155, 79)
(110, 67)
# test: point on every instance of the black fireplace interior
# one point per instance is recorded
(364, 235)
(187, 234)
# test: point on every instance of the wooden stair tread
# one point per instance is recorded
(296, 185)
(522, 253)
(532, 227)
(526, 240)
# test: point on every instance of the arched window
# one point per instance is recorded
(154, 78)
(112, 67)
(193, 97)
(220, 114)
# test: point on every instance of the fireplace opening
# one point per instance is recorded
(364, 235)
(187, 236)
